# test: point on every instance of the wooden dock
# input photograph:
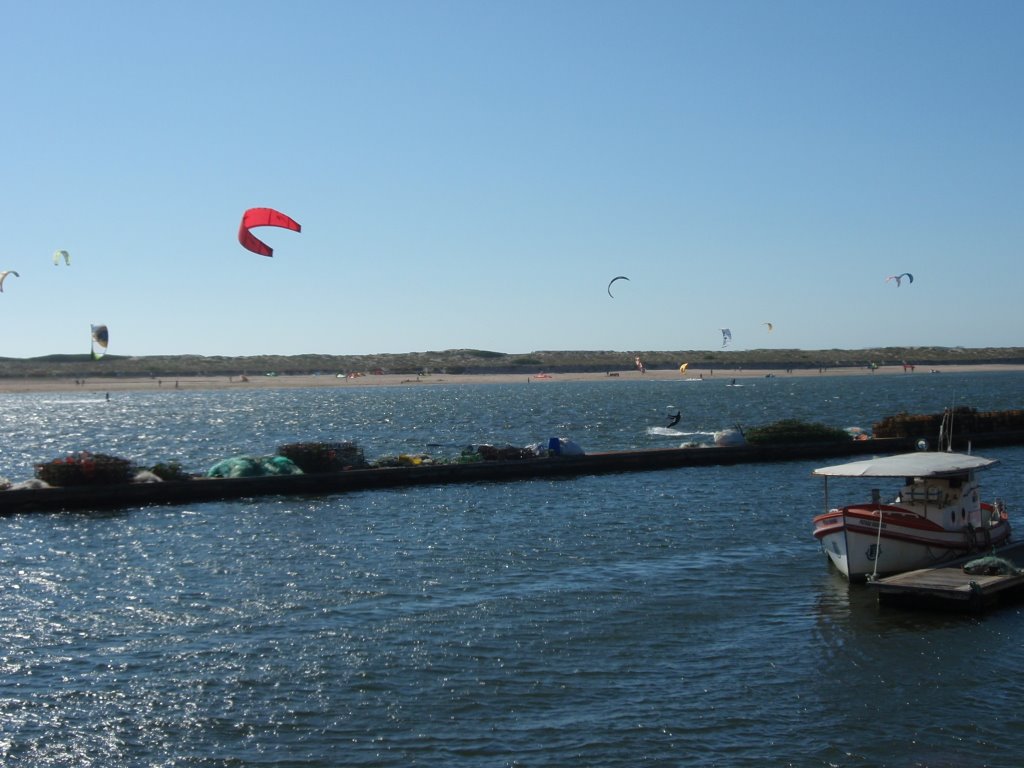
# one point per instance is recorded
(947, 586)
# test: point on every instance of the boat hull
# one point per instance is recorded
(859, 550)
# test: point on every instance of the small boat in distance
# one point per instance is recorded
(936, 516)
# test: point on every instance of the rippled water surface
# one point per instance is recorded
(682, 617)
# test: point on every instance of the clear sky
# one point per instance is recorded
(472, 173)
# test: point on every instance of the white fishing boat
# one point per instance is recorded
(937, 515)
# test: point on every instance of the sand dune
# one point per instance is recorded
(123, 384)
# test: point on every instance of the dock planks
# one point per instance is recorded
(947, 586)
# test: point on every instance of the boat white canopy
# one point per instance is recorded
(920, 464)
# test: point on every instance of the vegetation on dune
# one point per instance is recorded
(458, 361)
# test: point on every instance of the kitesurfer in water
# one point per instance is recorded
(673, 420)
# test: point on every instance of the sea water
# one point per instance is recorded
(680, 617)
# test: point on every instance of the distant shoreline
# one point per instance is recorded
(195, 383)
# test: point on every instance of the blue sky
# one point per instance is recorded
(472, 174)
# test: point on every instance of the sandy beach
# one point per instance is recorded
(127, 384)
